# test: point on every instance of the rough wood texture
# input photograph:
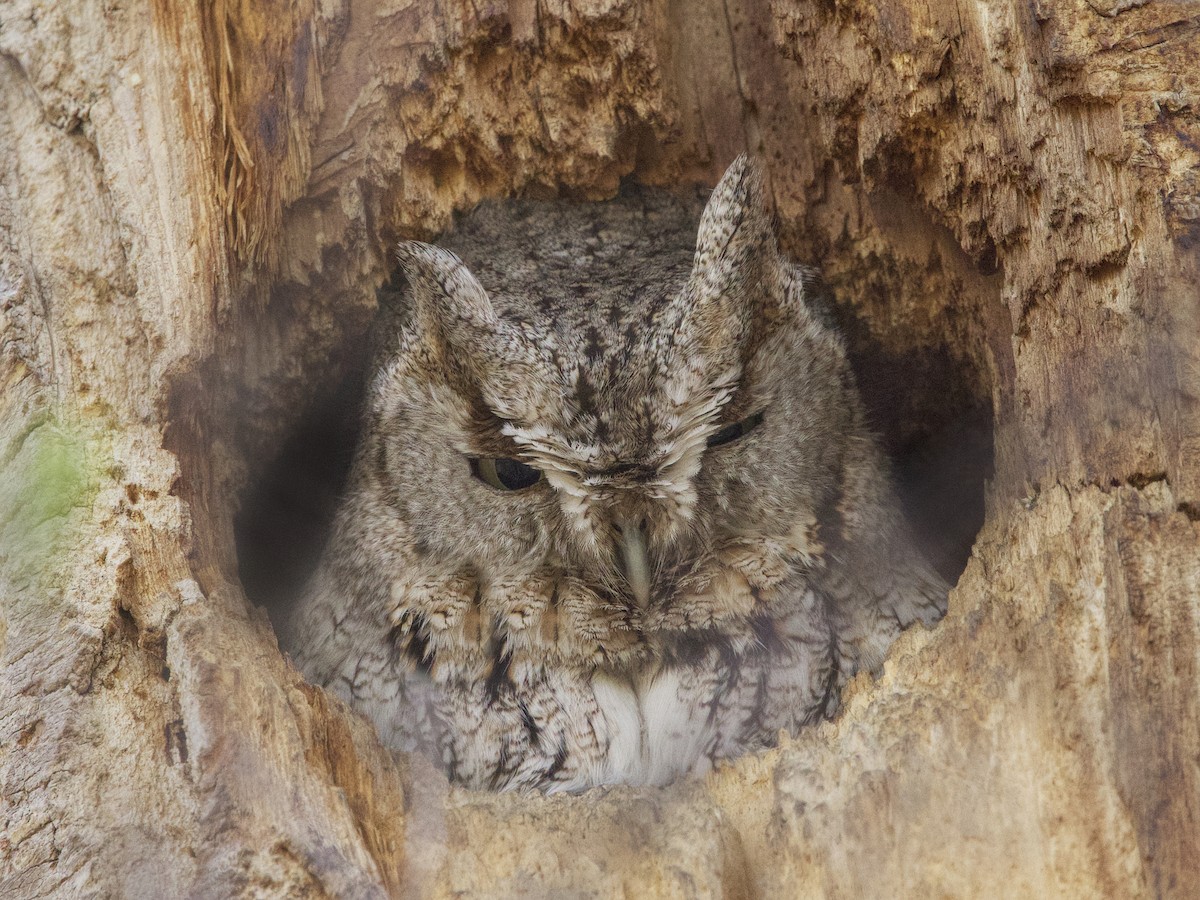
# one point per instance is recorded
(196, 202)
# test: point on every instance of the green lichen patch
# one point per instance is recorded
(49, 476)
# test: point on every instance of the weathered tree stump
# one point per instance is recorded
(196, 207)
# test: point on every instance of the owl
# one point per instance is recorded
(615, 515)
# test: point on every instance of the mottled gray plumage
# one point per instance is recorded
(672, 591)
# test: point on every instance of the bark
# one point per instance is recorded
(196, 205)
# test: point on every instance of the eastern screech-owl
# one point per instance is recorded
(615, 514)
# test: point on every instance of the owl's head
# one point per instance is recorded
(607, 396)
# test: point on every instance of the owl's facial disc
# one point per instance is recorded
(620, 505)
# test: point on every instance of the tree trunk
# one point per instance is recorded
(196, 207)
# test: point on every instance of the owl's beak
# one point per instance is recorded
(635, 563)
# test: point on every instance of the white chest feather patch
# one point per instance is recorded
(655, 734)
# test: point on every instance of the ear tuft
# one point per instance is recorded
(444, 288)
(458, 317)
(735, 226)
(737, 280)
(737, 271)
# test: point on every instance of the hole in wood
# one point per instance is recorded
(937, 431)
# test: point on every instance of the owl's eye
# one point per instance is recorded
(505, 474)
(731, 433)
